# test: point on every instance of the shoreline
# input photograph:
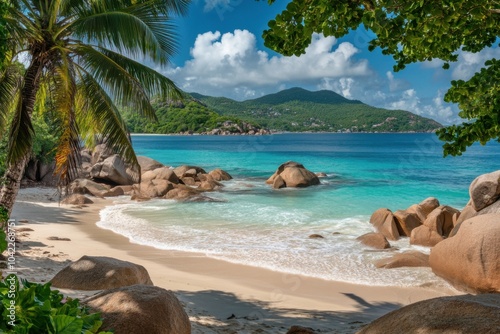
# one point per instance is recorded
(211, 290)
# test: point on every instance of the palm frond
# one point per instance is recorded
(97, 114)
(136, 31)
(63, 91)
(122, 85)
(21, 133)
(10, 81)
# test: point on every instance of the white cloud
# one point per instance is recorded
(435, 108)
(470, 63)
(227, 64)
(231, 65)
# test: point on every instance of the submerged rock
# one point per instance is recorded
(374, 240)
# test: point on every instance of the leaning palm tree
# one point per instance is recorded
(88, 58)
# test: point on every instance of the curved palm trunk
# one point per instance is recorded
(15, 170)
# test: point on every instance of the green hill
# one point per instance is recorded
(189, 116)
(297, 109)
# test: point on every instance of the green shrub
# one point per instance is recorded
(31, 308)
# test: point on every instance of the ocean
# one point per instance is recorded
(256, 225)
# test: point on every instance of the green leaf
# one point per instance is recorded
(65, 324)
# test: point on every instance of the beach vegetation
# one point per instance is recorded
(87, 58)
(191, 115)
(412, 31)
(32, 308)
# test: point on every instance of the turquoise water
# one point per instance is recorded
(256, 225)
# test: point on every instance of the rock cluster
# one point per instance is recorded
(129, 302)
(465, 246)
(231, 128)
(426, 223)
(104, 174)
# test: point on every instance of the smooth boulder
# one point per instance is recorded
(425, 236)
(148, 164)
(220, 175)
(384, 222)
(113, 169)
(293, 174)
(470, 260)
(76, 199)
(88, 187)
(405, 259)
(374, 240)
(140, 309)
(463, 314)
(406, 222)
(485, 190)
(100, 272)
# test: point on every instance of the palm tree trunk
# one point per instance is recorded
(11, 184)
(15, 170)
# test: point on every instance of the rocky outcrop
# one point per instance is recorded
(374, 240)
(292, 174)
(384, 222)
(148, 164)
(162, 173)
(140, 309)
(88, 187)
(485, 190)
(405, 259)
(470, 260)
(406, 222)
(464, 314)
(98, 273)
(76, 199)
(114, 170)
(41, 173)
(153, 189)
(220, 175)
(425, 236)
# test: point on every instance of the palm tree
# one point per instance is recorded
(87, 57)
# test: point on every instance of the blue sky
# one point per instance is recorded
(221, 53)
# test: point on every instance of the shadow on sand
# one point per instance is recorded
(234, 315)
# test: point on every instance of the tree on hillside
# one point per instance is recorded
(412, 31)
(86, 58)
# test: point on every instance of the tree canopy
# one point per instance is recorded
(411, 31)
(83, 60)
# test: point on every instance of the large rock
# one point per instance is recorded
(374, 240)
(406, 222)
(441, 220)
(485, 190)
(188, 171)
(140, 309)
(424, 236)
(405, 259)
(148, 164)
(98, 273)
(112, 169)
(425, 207)
(469, 212)
(384, 222)
(100, 153)
(220, 175)
(154, 188)
(76, 199)
(294, 175)
(162, 173)
(182, 193)
(470, 260)
(464, 314)
(88, 187)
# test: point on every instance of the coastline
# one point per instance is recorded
(211, 290)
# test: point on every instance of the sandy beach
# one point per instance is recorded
(219, 297)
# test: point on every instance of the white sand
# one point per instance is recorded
(262, 301)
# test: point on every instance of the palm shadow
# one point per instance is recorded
(234, 315)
